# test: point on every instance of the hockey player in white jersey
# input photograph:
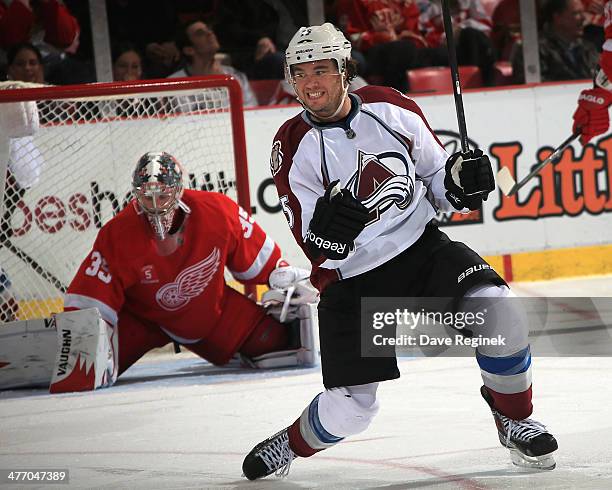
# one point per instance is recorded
(360, 177)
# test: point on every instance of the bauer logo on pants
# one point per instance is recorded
(471, 270)
(189, 283)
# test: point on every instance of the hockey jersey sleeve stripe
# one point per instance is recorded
(259, 263)
(81, 302)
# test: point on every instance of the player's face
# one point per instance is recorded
(571, 20)
(203, 38)
(319, 87)
(128, 66)
(26, 67)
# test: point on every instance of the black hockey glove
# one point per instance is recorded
(337, 220)
(469, 179)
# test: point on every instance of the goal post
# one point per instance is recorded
(69, 177)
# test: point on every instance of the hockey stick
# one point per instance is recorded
(452, 61)
(39, 269)
(509, 186)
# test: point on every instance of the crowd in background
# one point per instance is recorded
(50, 41)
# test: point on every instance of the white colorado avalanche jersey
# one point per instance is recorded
(385, 153)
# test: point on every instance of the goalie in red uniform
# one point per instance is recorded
(156, 275)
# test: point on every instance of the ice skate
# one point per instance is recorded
(270, 456)
(530, 444)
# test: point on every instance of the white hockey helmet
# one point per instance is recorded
(324, 42)
(157, 183)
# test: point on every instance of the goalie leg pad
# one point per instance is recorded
(305, 349)
(27, 353)
(269, 335)
(71, 351)
(86, 356)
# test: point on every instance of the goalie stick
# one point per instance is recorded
(39, 269)
(509, 186)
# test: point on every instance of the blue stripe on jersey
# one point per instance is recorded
(505, 366)
(315, 424)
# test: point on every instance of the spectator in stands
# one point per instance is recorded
(21, 21)
(254, 33)
(472, 33)
(127, 66)
(199, 45)
(388, 33)
(150, 27)
(594, 18)
(25, 63)
(127, 62)
(564, 54)
(506, 27)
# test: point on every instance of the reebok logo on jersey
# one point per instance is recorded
(471, 270)
(189, 283)
(323, 244)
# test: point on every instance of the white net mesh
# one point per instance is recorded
(69, 178)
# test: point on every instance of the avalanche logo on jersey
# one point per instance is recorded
(381, 181)
(189, 283)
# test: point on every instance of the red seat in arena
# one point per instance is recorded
(264, 90)
(438, 78)
(503, 73)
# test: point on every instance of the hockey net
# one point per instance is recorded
(74, 173)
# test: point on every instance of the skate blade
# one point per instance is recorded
(544, 462)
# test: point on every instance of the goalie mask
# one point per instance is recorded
(158, 186)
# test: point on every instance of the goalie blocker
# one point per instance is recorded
(72, 351)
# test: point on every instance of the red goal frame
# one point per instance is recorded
(158, 85)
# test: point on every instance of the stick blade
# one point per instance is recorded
(505, 181)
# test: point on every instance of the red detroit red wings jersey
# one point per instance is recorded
(182, 292)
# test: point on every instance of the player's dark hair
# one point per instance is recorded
(17, 48)
(124, 47)
(182, 38)
(550, 8)
(351, 70)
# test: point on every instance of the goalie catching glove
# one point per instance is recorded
(337, 221)
(289, 289)
(290, 300)
(468, 180)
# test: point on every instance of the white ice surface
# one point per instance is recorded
(177, 422)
